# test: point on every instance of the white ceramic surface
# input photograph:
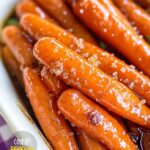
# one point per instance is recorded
(6, 7)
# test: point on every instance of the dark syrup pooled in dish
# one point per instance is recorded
(139, 135)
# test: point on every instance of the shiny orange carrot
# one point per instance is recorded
(44, 106)
(112, 8)
(28, 6)
(20, 47)
(74, 70)
(94, 120)
(87, 142)
(113, 30)
(113, 66)
(136, 14)
(12, 64)
(59, 10)
(52, 82)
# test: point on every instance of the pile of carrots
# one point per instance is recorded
(79, 92)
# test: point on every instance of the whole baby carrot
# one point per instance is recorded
(44, 106)
(20, 47)
(114, 31)
(61, 13)
(28, 6)
(87, 142)
(94, 120)
(136, 14)
(12, 64)
(75, 71)
(108, 63)
(52, 82)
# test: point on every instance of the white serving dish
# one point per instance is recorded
(6, 8)
(11, 107)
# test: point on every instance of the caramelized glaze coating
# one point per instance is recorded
(44, 106)
(114, 31)
(108, 63)
(136, 15)
(94, 120)
(74, 70)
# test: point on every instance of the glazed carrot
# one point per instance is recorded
(52, 82)
(44, 106)
(111, 65)
(11, 64)
(21, 49)
(114, 31)
(59, 10)
(75, 71)
(87, 142)
(135, 14)
(28, 6)
(94, 120)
